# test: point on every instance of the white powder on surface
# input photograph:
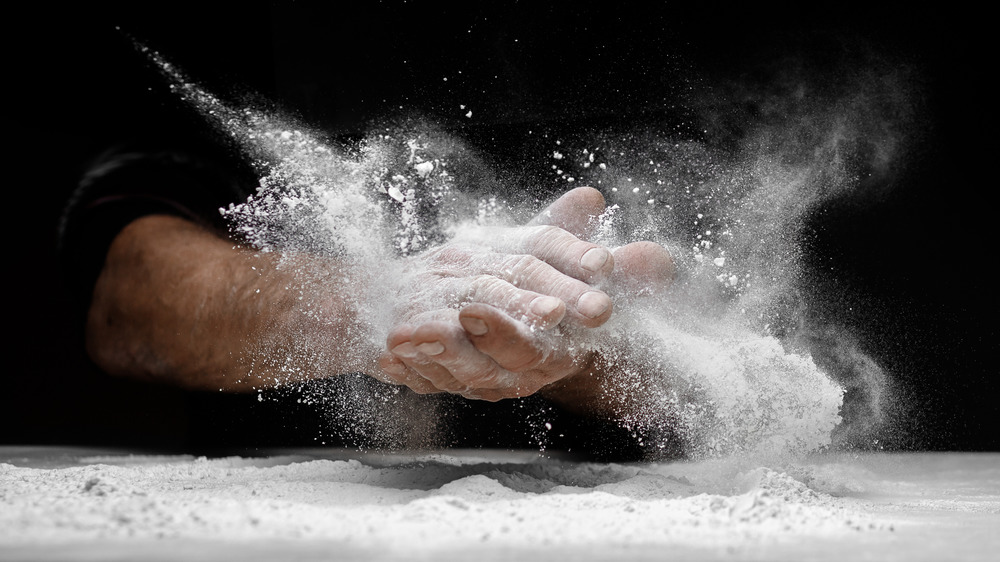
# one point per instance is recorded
(927, 506)
(418, 505)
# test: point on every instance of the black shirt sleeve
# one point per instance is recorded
(124, 185)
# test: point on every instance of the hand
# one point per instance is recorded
(490, 288)
(520, 292)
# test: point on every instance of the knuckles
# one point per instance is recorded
(451, 255)
(519, 268)
(549, 240)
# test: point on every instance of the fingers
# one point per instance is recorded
(560, 249)
(395, 371)
(447, 345)
(573, 211)
(544, 260)
(511, 344)
(422, 370)
(535, 278)
(557, 236)
(585, 306)
(641, 267)
(423, 356)
(523, 286)
(534, 308)
(438, 356)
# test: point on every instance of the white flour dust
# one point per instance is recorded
(417, 505)
(59, 504)
(721, 362)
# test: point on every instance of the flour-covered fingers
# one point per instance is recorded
(497, 394)
(536, 309)
(427, 368)
(487, 395)
(448, 345)
(557, 247)
(553, 245)
(400, 344)
(520, 284)
(391, 369)
(585, 306)
(529, 290)
(513, 346)
(395, 371)
(440, 353)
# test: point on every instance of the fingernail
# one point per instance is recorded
(593, 304)
(430, 348)
(594, 259)
(474, 326)
(405, 350)
(543, 306)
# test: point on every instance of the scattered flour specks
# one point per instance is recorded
(423, 503)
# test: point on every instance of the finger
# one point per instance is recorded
(392, 370)
(643, 268)
(427, 368)
(488, 395)
(527, 289)
(560, 249)
(478, 376)
(395, 371)
(449, 346)
(509, 343)
(540, 311)
(535, 309)
(585, 306)
(574, 212)
(400, 344)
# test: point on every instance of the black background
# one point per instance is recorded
(922, 297)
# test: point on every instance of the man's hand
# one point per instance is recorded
(493, 317)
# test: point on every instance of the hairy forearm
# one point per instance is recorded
(178, 304)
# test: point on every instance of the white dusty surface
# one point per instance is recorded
(320, 504)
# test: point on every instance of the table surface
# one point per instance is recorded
(916, 506)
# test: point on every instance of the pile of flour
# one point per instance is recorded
(418, 505)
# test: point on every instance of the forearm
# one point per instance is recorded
(178, 304)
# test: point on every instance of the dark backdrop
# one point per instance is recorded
(922, 297)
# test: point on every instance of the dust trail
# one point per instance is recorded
(724, 361)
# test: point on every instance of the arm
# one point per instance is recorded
(178, 304)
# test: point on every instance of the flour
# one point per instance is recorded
(723, 362)
(417, 505)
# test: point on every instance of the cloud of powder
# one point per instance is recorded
(727, 361)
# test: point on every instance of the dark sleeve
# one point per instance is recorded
(122, 186)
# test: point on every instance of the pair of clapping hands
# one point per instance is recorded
(495, 317)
